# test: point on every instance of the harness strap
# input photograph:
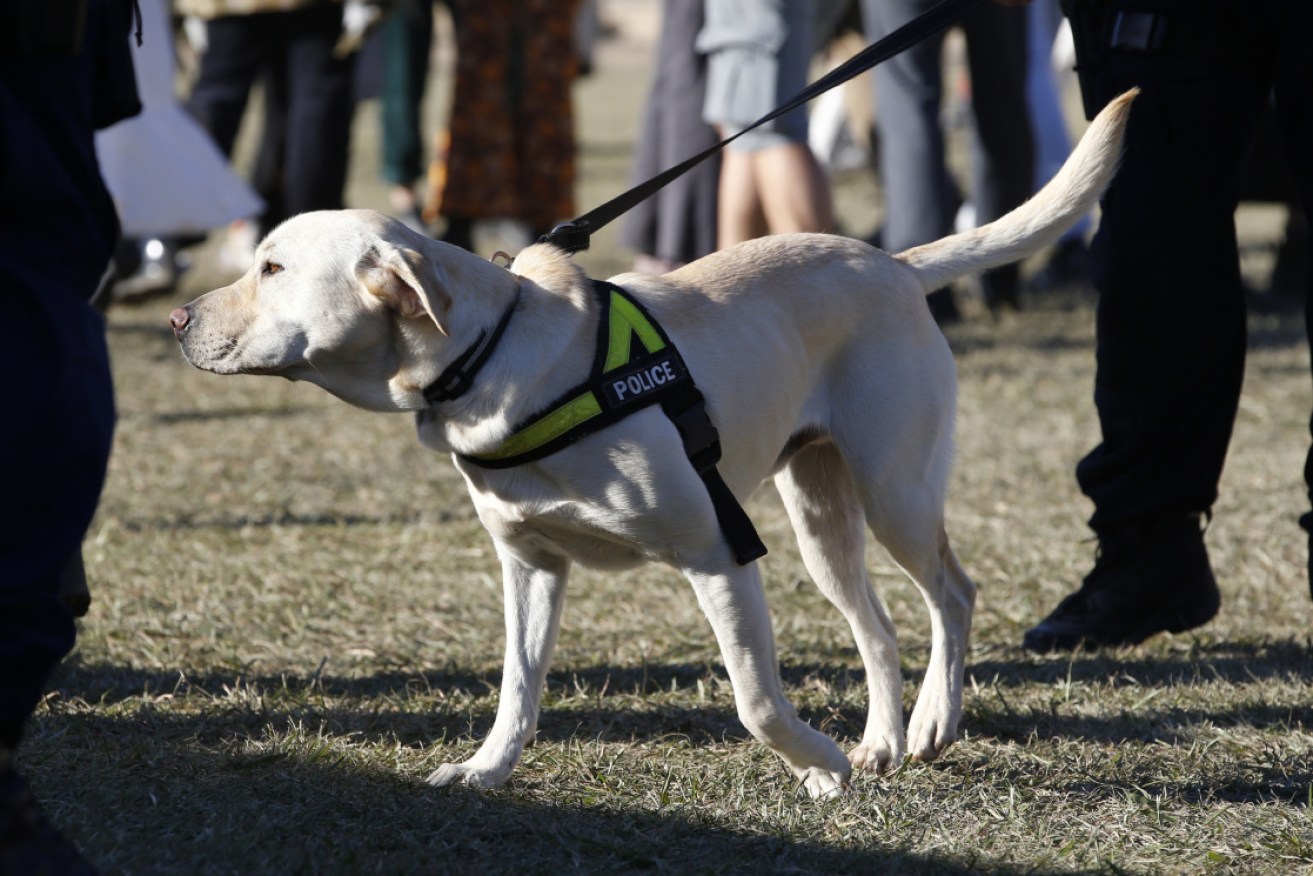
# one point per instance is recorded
(635, 366)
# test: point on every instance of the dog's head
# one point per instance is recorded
(350, 300)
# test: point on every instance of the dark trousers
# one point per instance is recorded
(920, 197)
(57, 233)
(295, 50)
(407, 44)
(1171, 313)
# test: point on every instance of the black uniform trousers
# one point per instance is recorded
(58, 230)
(1171, 312)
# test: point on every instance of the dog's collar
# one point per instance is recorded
(459, 376)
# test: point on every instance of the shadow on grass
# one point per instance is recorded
(1227, 662)
(239, 522)
(413, 708)
(609, 703)
(144, 806)
(168, 418)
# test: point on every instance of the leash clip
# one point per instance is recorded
(569, 236)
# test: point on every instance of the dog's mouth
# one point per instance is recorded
(224, 356)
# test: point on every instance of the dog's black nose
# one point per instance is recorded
(179, 319)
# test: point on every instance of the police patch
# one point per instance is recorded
(635, 384)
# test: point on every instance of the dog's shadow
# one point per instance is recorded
(291, 813)
(629, 703)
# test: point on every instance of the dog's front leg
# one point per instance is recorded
(534, 595)
(733, 601)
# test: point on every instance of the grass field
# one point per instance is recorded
(297, 616)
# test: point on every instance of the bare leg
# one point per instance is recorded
(794, 193)
(776, 190)
(739, 216)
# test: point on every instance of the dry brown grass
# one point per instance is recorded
(297, 616)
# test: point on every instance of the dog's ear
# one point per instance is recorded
(406, 282)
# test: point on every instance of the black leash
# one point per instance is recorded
(573, 236)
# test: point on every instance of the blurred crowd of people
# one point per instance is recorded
(506, 150)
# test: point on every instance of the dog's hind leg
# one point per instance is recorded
(534, 596)
(907, 518)
(826, 512)
(732, 599)
(898, 444)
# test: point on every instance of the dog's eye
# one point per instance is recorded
(270, 268)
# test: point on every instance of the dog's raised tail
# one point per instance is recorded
(1039, 222)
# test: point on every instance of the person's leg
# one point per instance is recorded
(1048, 122)
(269, 175)
(677, 224)
(919, 196)
(1294, 106)
(907, 91)
(758, 56)
(57, 235)
(1171, 345)
(476, 151)
(793, 190)
(319, 112)
(408, 41)
(1003, 145)
(740, 216)
(541, 93)
(232, 60)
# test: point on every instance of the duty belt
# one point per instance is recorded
(635, 366)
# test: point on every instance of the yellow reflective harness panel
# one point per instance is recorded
(635, 366)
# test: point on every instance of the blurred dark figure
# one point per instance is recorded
(1268, 179)
(509, 151)
(297, 46)
(65, 70)
(677, 224)
(1171, 314)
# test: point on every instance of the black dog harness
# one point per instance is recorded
(635, 366)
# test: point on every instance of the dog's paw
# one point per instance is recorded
(451, 773)
(823, 784)
(927, 738)
(878, 756)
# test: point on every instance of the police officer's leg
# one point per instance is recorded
(1293, 86)
(56, 438)
(1171, 342)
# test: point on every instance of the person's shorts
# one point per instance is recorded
(758, 53)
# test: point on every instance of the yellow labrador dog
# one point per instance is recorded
(820, 365)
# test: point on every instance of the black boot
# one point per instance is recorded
(1148, 578)
(29, 845)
